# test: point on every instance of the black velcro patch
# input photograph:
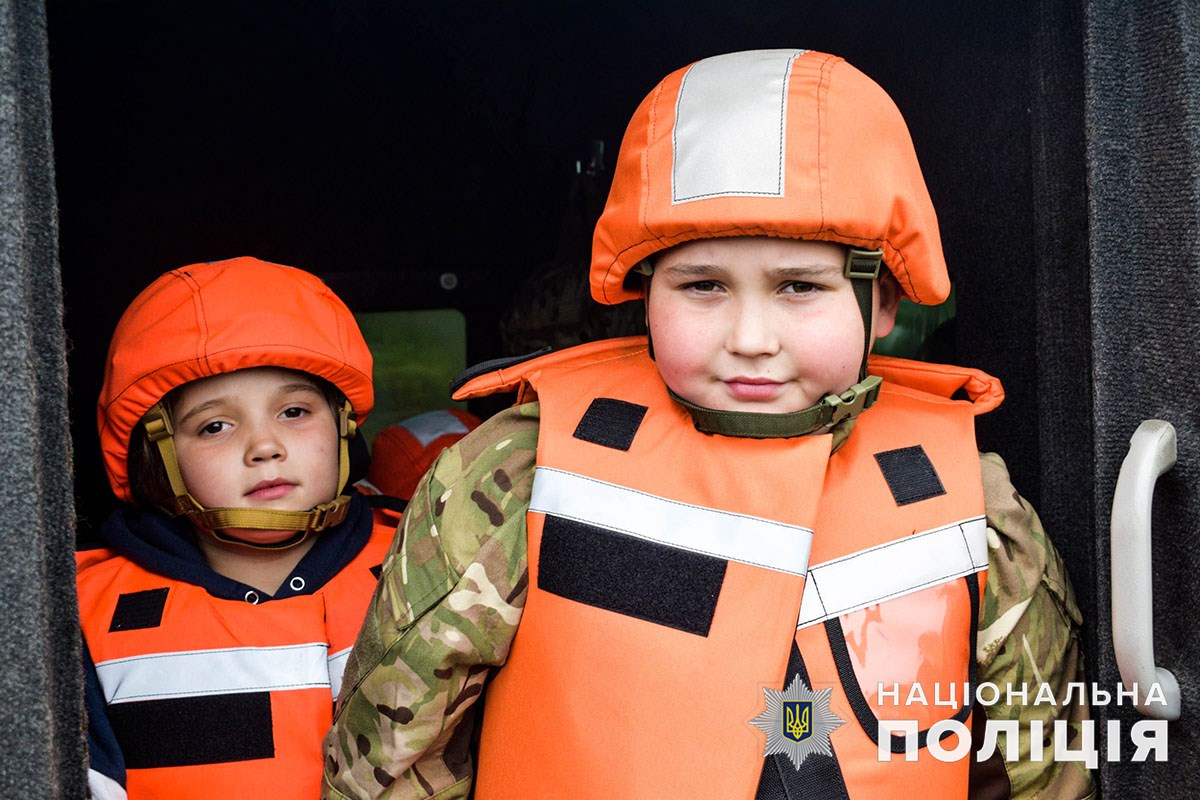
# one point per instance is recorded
(184, 731)
(610, 423)
(138, 610)
(631, 576)
(909, 474)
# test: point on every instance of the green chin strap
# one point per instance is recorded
(862, 268)
(831, 414)
(834, 413)
(214, 520)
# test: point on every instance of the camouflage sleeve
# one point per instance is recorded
(1028, 636)
(450, 596)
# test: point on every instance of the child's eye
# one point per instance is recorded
(702, 287)
(294, 412)
(213, 428)
(798, 287)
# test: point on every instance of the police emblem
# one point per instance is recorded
(797, 719)
(797, 722)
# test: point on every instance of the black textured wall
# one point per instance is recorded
(41, 681)
(1142, 84)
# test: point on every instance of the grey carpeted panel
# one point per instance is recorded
(1142, 74)
(1062, 281)
(41, 718)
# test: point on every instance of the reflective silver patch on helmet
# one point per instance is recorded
(730, 126)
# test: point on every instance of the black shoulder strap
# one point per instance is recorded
(483, 368)
(819, 775)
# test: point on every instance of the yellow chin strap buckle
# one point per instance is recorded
(161, 432)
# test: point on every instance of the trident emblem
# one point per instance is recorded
(797, 719)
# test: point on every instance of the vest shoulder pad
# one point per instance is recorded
(942, 380)
(91, 557)
(520, 375)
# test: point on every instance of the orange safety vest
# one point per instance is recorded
(668, 585)
(211, 697)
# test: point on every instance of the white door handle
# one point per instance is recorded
(1151, 453)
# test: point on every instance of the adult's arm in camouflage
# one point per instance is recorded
(450, 596)
(1028, 635)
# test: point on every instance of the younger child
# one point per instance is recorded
(717, 563)
(218, 622)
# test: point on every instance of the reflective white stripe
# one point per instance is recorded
(203, 672)
(735, 537)
(894, 569)
(432, 424)
(337, 668)
(729, 126)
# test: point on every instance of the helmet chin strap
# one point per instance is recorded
(215, 520)
(862, 268)
(834, 413)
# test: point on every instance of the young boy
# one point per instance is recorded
(219, 620)
(726, 562)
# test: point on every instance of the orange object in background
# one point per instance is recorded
(404, 451)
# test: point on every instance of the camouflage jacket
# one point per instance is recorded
(454, 585)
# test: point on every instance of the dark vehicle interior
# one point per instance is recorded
(423, 159)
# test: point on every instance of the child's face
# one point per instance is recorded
(257, 438)
(759, 324)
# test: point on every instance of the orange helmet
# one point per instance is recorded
(787, 143)
(404, 451)
(209, 319)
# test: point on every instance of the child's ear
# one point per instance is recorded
(889, 303)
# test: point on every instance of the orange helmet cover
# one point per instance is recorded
(787, 143)
(209, 319)
(404, 451)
